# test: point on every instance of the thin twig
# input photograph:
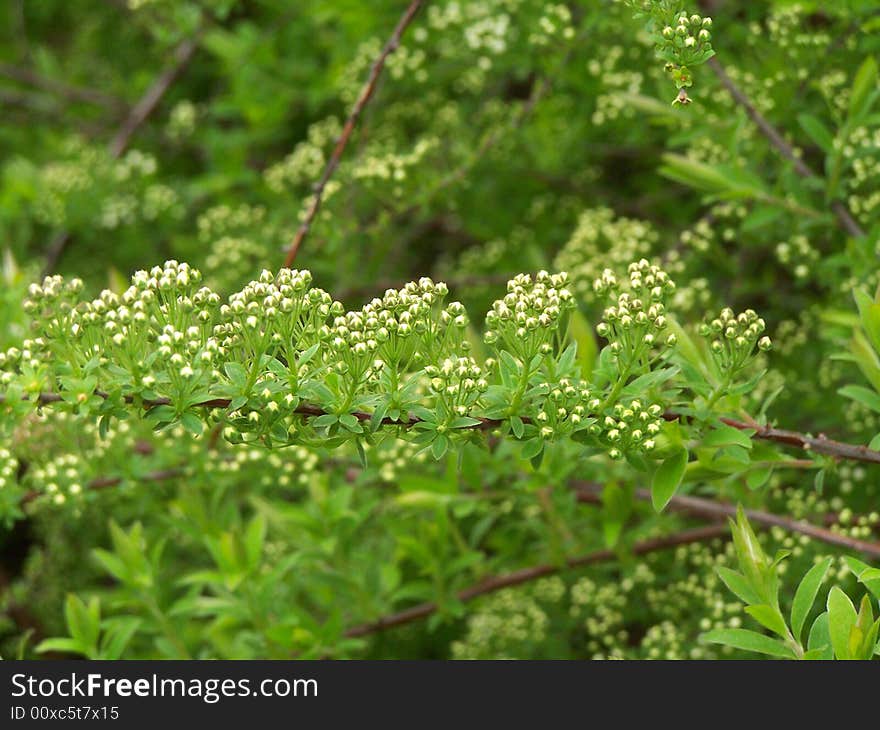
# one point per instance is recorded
(849, 224)
(699, 507)
(139, 114)
(490, 585)
(364, 98)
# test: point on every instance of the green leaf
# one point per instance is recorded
(738, 585)
(866, 397)
(866, 575)
(841, 620)
(83, 622)
(236, 373)
(581, 333)
(769, 617)
(517, 426)
(805, 595)
(724, 435)
(439, 446)
(757, 478)
(117, 636)
(748, 641)
(817, 132)
(820, 637)
(864, 88)
(667, 478)
(532, 448)
(254, 537)
(62, 645)
(192, 423)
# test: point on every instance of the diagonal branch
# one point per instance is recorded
(847, 222)
(139, 114)
(364, 98)
(508, 580)
(707, 508)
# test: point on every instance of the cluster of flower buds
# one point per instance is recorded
(680, 39)
(50, 304)
(458, 383)
(59, 479)
(164, 310)
(8, 470)
(277, 313)
(628, 427)
(411, 326)
(601, 241)
(636, 322)
(733, 338)
(527, 318)
(564, 409)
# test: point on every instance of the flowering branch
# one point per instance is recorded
(815, 444)
(363, 99)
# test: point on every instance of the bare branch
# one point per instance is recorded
(508, 580)
(699, 507)
(364, 98)
(139, 114)
(849, 224)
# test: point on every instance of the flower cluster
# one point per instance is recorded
(306, 161)
(628, 427)
(527, 319)
(564, 409)
(733, 338)
(636, 323)
(601, 241)
(278, 313)
(458, 383)
(680, 39)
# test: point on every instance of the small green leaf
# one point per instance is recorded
(864, 87)
(667, 478)
(517, 426)
(532, 448)
(841, 620)
(817, 132)
(805, 595)
(868, 398)
(748, 641)
(820, 637)
(724, 435)
(738, 585)
(439, 446)
(192, 423)
(769, 618)
(236, 373)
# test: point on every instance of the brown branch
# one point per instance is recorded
(849, 224)
(699, 507)
(817, 444)
(364, 98)
(508, 580)
(139, 114)
(811, 444)
(147, 104)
